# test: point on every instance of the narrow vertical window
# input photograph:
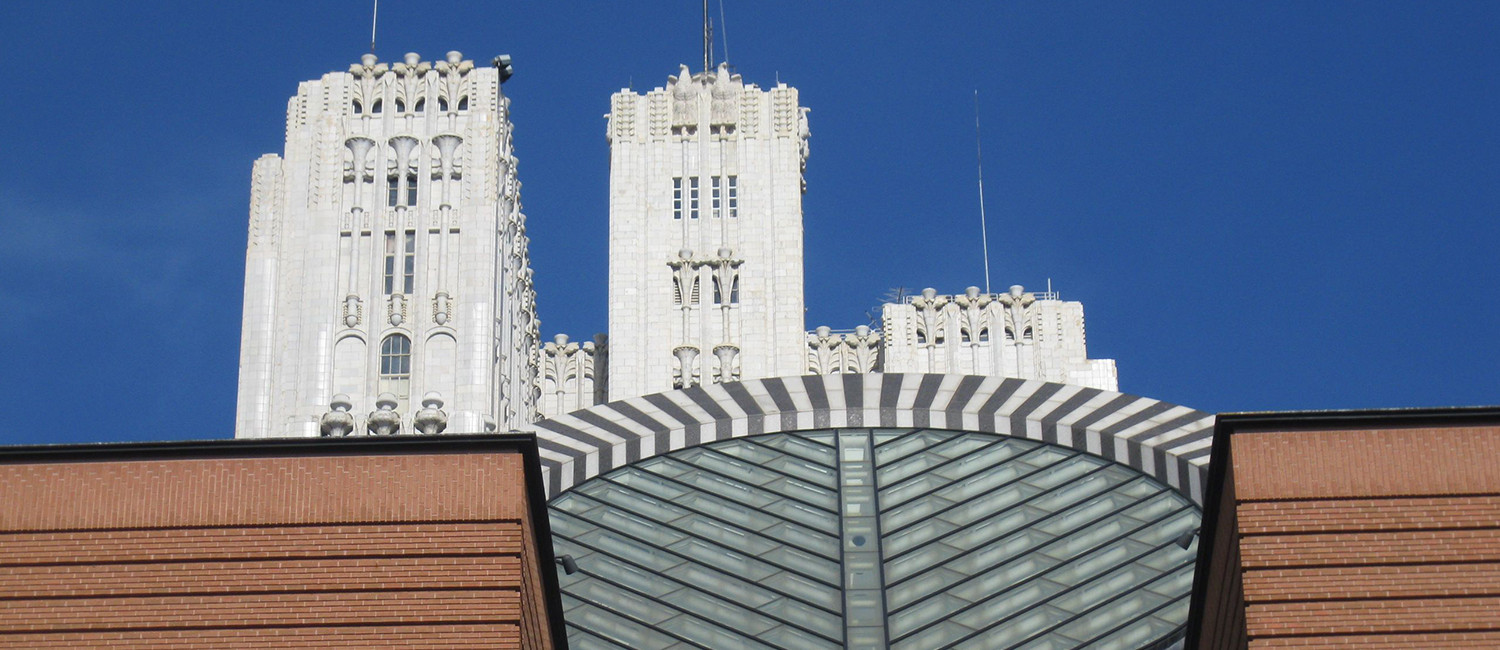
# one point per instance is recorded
(393, 191)
(734, 196)
(395, 365)
(677, 197)
(692, 197)
(463, 103)
(734, 291)
(715, 200)
(411, 190)
(718, 292)
(390, 263)
(409, 268)
(377, 107)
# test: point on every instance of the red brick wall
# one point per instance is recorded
(1370, 539)
(292, 552)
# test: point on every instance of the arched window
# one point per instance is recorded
(377, 106)
(463, 103)
(734, 291)
(421, 104)
(718, 293)
(443, 104)
(963, 335)
(921, 336)
(358, 108)
(984, 334)
(395, 365)
(400, 105)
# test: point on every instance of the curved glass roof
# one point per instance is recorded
(906, 538)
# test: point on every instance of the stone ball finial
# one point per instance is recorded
(431, 420)
(412, 58)
(1016, 290)
(384, 420)
(972, 292)
(929, 293)
(369, 59)
(560, 339)
(454, 56)
(337, 422)
(725, 252)
(685, 253)
(386, 401)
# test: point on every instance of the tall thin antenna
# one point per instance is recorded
(723, 31)
(708, 39)
(375, 14)
(984, 235)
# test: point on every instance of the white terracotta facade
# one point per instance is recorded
(387, 254)
(705, 242)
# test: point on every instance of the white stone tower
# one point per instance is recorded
(705, 242)
(388, 254)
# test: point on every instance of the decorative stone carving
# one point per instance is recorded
(337, 422)
(396, 309)
(410, 72)
(684, 89)
(442, 308)
(726, 275)
(687, 370)
(725, 93)
(975, 316)
(354, 310)
(622, 118)
(431, 420)
(929, 311)
(1018, 321)
(685, 278)
(851, 351)
(384, 420)
(728, 366)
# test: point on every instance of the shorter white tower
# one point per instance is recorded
(387, 260)
(705, 243)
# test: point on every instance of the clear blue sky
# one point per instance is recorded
(1269, 205)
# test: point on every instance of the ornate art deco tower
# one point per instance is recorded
(705, 247)
(388, 255)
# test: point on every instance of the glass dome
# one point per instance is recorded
(872, 538)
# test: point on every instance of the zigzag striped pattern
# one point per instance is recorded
(1166, 441)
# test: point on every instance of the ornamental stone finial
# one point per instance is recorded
(454, 56)
(384, 420)
(337, 422)
(431, 420)
(412, 58)
(369, 59)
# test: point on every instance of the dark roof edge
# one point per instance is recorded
(1297, 420)
(268, 447)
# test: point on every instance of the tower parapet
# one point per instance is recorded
(705, 260)
(396, 191)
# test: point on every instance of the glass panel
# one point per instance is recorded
(616, 628)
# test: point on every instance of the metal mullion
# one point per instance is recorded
(1029, 579)
(1022, 502)
(1112, 568)
(1144, 614)
(1021, 477)
(736, 480)
(680, 611)
(710, 542)
(961, 435)
(601, 639)
(726, 521)
(752, 439)
(696, 489)
(1037, 449)
(707, 449)
(685, 585)
(1034, 523)
(1113, 598)
(901, 437)
(788, 454)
